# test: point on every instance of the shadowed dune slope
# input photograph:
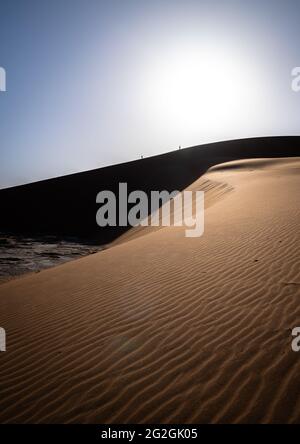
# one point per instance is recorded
(67, 205)
(163, 328)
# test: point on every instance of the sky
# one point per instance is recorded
(91, 83)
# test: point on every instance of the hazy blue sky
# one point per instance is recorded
(96, 82)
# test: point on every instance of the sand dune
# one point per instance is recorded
(66, 206)
(164, 328)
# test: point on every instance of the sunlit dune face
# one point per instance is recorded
(198, 88)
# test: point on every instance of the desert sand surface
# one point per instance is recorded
(161, 328)
(66, 206)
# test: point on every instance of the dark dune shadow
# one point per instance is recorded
(66, 206)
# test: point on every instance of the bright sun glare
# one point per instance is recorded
(196, 88)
